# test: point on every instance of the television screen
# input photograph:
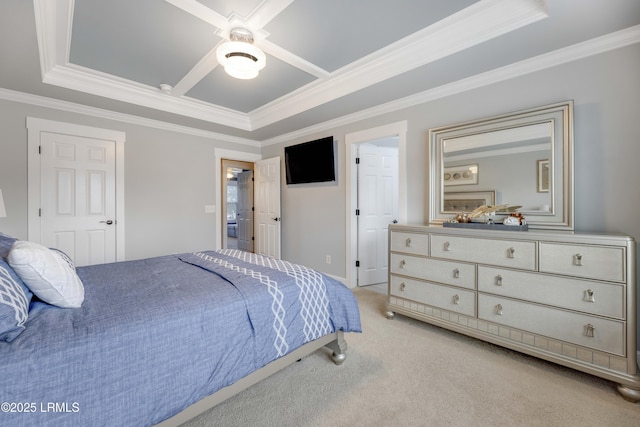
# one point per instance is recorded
(310, 162)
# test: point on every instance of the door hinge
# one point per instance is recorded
(357, 263)
(39, 211)
(357, 160)
(357, 212)
(39, 149)
(253, 238)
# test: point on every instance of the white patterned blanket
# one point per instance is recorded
(297, 308)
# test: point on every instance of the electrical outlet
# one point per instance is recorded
(328, 259)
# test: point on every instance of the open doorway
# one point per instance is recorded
(237, 205)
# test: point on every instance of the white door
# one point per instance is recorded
(267, 207)
(378, 207)
(244, 217)
(78, 197)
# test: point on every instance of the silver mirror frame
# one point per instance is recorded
(560, 116)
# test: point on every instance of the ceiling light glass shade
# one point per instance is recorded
(240, 59)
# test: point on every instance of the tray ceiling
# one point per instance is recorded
(316, 51)
(325, 59)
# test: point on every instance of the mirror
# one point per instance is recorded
(523, 158)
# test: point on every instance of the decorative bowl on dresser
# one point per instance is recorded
(569, 298)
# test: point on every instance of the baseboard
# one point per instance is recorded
(340, 279)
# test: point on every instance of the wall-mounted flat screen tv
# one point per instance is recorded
(311, 161)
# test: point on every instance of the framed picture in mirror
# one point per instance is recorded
(460, 175)
(543, 176)
(458, 201)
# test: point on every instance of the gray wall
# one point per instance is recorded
(606, 93)
(521, 186)
(169, 178)
(313, 215)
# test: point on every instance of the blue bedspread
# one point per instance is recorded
(154, 336)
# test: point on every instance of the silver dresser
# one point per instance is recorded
(568, 298)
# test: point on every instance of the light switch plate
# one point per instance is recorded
(209, 208)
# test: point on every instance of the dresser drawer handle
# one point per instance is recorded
(498, 280)
(590, 330)
(408, 242)
(511, 253)
(403, 263)
(499, 309)
(446, 246)
(589, 295)
(456, 299)
(403, 286)
(577, 260)
(456, 274)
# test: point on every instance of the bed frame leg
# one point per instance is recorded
(339, 347)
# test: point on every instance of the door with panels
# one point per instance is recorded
(78, 200)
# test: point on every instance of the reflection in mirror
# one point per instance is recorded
(513, 152)
(523, 159)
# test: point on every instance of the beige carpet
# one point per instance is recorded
(406, 373)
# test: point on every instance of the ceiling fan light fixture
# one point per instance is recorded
(239, 57)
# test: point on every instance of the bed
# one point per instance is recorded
(159, 340)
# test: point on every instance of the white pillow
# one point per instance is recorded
(46, 274)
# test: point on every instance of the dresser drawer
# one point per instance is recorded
(448, 298)
(452, 273)
(605, 299)
(506, 253)
(411, 243)
(408, 265)
(580, 329)
(595, 262)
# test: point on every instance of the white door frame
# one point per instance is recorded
(398, 129)
(221, 153)
(34, 127)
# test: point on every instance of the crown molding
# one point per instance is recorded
(477, 23)
(598, 45)
(53, 28)
(53, 20)
(602, 44)
(71, 107)
(77, 78)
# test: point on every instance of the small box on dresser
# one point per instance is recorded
(569, 298)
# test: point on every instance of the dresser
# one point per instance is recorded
(569, 298)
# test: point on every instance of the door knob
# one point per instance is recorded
(108, 222)
(276, 219)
